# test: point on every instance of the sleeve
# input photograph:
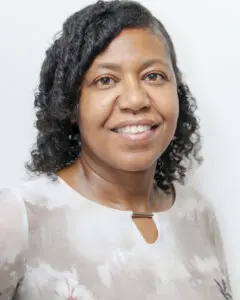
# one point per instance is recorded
(218, 245)
(13, 242)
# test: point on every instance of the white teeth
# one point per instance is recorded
(134, 129)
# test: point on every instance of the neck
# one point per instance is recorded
(119, 189)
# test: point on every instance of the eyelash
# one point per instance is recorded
(164, 78)
(104, 77)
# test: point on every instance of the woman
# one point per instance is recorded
(107, 218)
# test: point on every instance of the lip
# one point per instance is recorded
(145, 136)
(134, 123)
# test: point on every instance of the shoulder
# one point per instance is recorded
(21, 211)
(197, 210)
(13, 239)
(194, 208)
(13, 222)
(45, 193)
(192, 201)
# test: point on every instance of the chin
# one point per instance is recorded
(136, 165)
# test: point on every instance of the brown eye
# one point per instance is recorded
(155, 77)
(105, 81)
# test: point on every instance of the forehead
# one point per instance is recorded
(133, 46)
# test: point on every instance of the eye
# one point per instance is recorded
(105, 81)
(155, 77)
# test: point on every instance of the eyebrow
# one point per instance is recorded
(153, 61)
(144, 65)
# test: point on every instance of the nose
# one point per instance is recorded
(133, 97)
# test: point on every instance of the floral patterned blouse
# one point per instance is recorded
(57, 245)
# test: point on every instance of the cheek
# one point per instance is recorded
(167, 105)
(94, 111)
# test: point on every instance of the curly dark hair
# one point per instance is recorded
(86, 34)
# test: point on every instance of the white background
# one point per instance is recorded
(207, 38)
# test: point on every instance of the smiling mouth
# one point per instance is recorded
(134, 129)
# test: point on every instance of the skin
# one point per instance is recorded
(132, 80)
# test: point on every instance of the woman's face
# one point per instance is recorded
(129, 103)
